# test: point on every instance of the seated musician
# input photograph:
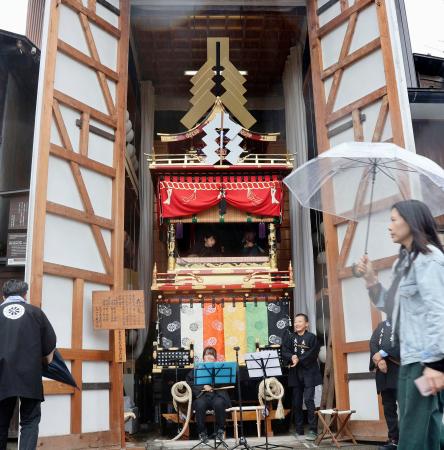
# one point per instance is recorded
(208, 248)
(205, 398)
(250, 246)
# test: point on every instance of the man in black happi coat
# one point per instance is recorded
(384, 359)
(300, 350)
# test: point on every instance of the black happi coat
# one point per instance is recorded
(306, 373)
(381, 340)
(197, 390)
(26, 336)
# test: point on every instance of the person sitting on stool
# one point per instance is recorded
(205, 398)
(384, 359)
(300, 350)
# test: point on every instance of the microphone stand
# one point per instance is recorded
(242, 439)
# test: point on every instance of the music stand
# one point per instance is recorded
(264, 364)
(214, 374)
(242, 439)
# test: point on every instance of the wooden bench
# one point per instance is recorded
(249, 414)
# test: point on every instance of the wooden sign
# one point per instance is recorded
(118, 310)
(119, 346)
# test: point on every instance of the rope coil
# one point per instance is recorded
(182, 402)
(272, 390)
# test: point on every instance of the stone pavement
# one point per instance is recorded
(290, 441)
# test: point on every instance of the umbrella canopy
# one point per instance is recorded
(340, 180)
(358, 179)
(58, 371)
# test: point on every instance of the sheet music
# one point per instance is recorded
(271, 361)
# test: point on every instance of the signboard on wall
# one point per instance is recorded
(18, 213)
(123, 310)
(16, 249)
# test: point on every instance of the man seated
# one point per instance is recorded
(250, 246)
(208, 248)
(205, 398)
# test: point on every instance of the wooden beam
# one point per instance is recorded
(41, 188)
(355, 347)
(95, 55)
(80, 216)
(72, 272)
(352, 57)
(382, 118)
(101, 23)
(61, 127)
(344, 52)
(378, 264)
(357, 126)
(357, 104)
(71, 354)
(84, 135)
(80, 57)
(389, 69)
(83, 107)
(81, 160)
(56, 388)
(341, 18)
(76, 343)
(335, 297)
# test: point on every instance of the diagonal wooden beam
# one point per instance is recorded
(60, 124)
(80, 106)
(83, 191)
(352, 57)
(80, 57)
(344, 52)
(382, 118)
(77, 6)
(95, 55)
(341, 18)
(357, 104)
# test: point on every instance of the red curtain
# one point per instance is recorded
(181, 198)
(261, 198)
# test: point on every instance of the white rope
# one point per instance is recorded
(273, 390)
(182, 397)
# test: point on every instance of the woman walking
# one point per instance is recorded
(415, 301)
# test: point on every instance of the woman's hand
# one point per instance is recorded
(365, 268)
(207, 388)
(435, 379)
(382, 366)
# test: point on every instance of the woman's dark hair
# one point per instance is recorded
(209, 351)
(422, 225)
(14, 287)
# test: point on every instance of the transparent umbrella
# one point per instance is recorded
(354, 180)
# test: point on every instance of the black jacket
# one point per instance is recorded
(197, 390)
(306, 373)
(380, 340)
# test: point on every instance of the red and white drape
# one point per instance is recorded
(181, 197)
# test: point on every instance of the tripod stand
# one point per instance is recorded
(242, 439)
(263, 365)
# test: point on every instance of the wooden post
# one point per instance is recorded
(171, 247)
(272, 245)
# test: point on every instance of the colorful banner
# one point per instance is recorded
(169, 325)
(191, 329)
(257, 326)
(278, 321)
(235, 331)
(213, 329)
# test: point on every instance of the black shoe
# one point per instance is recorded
(220, 434)
(389, 446)
(203, 437)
